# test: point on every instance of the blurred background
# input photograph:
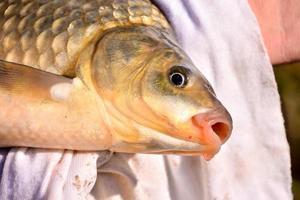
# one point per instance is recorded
(288, 79)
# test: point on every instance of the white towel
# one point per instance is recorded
(224, 41)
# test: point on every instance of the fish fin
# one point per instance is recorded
(28, 81)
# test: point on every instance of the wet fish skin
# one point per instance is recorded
(120, 54)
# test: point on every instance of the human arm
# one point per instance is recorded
(280, 26)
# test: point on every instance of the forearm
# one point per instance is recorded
(280, 26)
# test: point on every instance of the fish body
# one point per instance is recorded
(102, 74)
(50, 35)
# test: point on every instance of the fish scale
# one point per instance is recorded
(49, 35)
(118, 81)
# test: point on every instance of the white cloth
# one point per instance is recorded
(224, 41)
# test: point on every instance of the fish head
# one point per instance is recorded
(156, 100)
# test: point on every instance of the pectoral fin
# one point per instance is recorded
(27, 81)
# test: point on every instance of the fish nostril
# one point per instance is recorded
(222, 130)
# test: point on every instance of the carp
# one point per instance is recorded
(102, 75)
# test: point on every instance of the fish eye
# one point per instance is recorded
(178, 76)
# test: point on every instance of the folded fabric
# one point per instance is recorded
(28, 173)
(224, 42)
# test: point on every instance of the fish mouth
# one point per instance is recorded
(214, 128)
(209, 131)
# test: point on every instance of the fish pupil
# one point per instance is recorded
(177, 79)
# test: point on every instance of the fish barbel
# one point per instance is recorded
(102, 75)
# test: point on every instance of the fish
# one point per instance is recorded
(94, 75)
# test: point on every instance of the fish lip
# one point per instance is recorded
(228, 125)
(216, 127)
(215, 118)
